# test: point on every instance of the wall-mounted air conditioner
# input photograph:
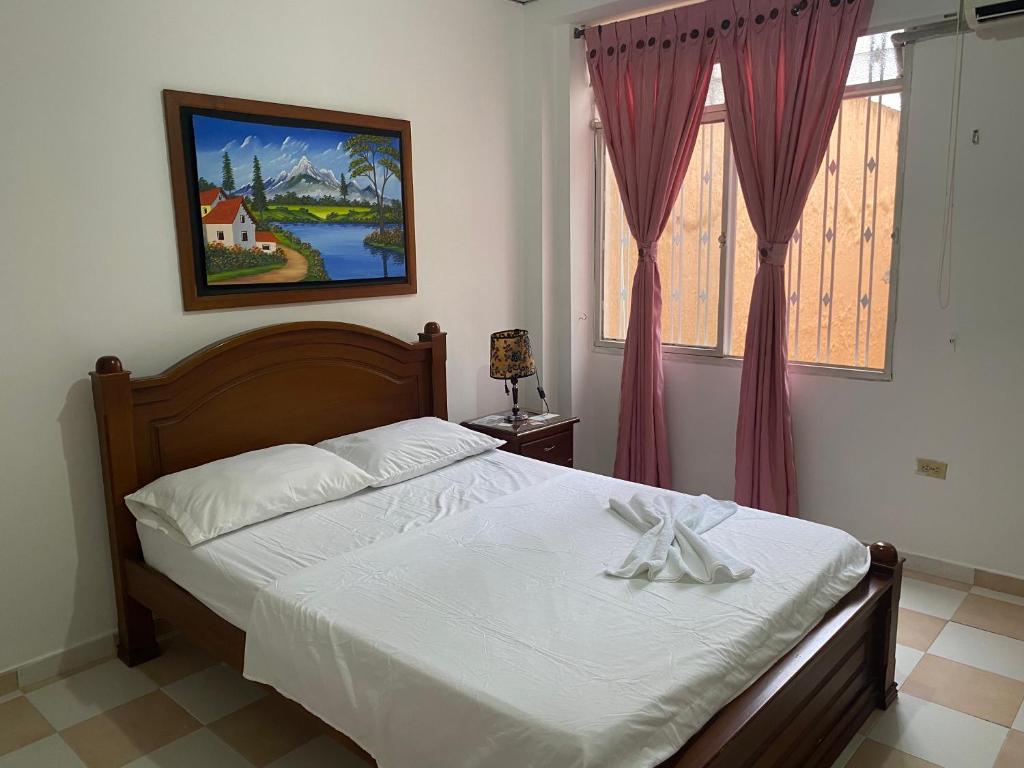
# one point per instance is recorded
(999, 17)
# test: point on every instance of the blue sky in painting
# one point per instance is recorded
(278, 147)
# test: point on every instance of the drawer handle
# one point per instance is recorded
(549, 448)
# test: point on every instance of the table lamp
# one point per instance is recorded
(511, 360)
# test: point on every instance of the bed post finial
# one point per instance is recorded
(884, 553)
(109, 364)
(430, 329)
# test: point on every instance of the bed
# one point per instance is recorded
(803, 707)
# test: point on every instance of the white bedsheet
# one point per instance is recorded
(226, 573)
(496, 639)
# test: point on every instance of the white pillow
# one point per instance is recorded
(224, 495)
(408, 449)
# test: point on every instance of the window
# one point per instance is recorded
(266, 247)
(243, 218)
(245, 236)
(220, 234)
(841, 258)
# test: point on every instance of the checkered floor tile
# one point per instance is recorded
(959, 664)
(180, 710)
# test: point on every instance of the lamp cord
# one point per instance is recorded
(540, 391)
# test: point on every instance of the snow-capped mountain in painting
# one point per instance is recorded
(306, 179)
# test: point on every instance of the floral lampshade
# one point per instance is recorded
(511, 355)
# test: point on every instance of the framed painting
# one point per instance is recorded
(276, 204)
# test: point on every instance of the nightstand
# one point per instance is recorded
(549, 441)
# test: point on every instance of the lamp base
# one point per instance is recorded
(516, 417)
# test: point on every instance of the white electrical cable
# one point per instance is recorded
(944, 285)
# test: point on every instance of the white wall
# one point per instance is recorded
(89, 257)
(856, 441)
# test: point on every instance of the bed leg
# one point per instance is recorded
(136, 640)
(886, 562)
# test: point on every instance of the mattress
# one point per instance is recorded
(227, 572)
(464, 617)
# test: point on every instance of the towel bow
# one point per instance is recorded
(672, 546)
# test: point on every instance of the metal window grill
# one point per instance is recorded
(688, 251)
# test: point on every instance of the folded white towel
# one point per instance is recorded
(672, 547)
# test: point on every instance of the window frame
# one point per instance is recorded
(719, 355)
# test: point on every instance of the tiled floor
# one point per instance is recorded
(960, 666)
(180, 710)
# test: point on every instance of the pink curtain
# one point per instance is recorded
(784, 67)
(650, 77)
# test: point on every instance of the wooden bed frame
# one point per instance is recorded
(231, 397)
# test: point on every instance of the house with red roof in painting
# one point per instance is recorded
(209, 198)
(266, 241)
(230, 222)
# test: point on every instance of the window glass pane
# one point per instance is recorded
(689, 252)
(876, 59)
(716, 93)
(837, 272)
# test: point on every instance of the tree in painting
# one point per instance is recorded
(343, 193)
(227, 173)
(259, 190)
(375, 159)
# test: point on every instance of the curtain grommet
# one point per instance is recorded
(726, 24)
(694, 34)
(774, 14)
(666, 44)
(759, 19)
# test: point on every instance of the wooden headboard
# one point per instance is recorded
(291, 383)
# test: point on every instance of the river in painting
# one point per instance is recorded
(346, 256)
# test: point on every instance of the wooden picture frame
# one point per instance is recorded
(339, 226)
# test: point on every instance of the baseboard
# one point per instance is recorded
(965, 574)
(935, 567)
(66, 659)
(102, 646)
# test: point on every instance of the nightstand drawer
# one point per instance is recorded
(555, 449)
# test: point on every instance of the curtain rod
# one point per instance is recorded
(946, 27)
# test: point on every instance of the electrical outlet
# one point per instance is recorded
(932, 468)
